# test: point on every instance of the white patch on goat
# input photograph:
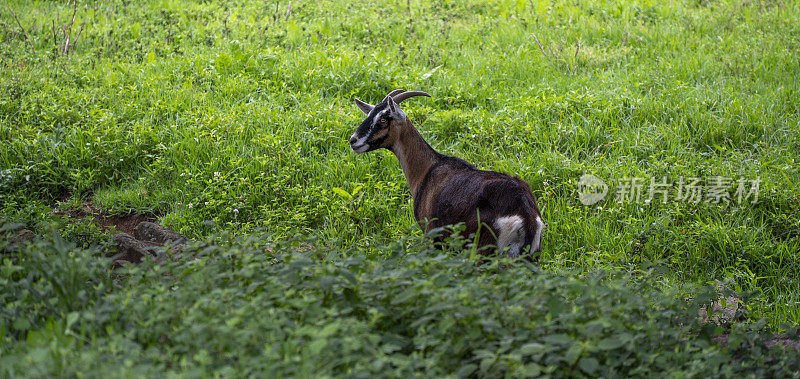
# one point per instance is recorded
(510, 234)
(361, 149)
(378, 116)
(360, 145)
(537, 239)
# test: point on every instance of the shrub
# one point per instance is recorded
(292, 309)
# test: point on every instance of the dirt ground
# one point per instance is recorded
(106, 222)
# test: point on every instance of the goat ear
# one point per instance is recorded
(392, 105)
(366, 108)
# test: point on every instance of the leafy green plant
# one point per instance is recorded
(255, 307)
(49, 279)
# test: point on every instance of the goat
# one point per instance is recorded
(448, 190)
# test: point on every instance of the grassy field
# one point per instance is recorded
(229, 122)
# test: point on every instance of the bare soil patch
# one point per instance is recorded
(121, 223)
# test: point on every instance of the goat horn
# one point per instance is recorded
(395, 92)
(405, 95)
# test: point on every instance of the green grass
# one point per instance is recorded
(192, 109)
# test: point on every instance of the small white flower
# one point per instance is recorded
(235, 211)
(216, 174)
(190, 205)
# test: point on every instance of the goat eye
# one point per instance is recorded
(383, 120)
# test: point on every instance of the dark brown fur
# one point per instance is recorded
(454, 191)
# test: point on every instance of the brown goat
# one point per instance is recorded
(448, 190)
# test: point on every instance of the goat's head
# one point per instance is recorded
(384, 122)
